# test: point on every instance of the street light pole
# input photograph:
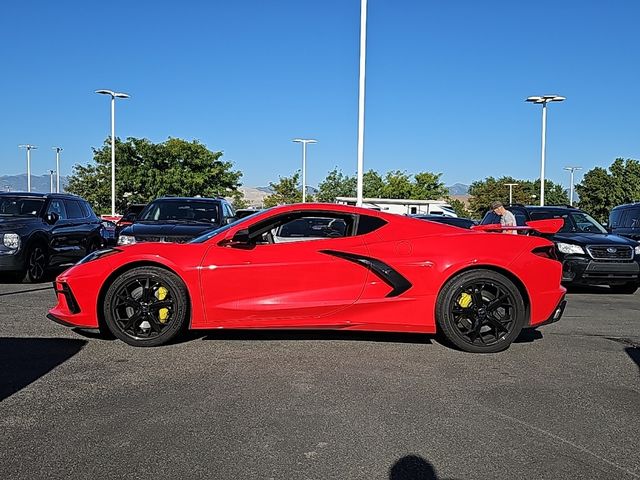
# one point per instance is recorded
(544, 99)
(511, 185)
(114, 95)
(28, 148)
(571, 169)
(363, 58)
(304, 142)
(58, 150)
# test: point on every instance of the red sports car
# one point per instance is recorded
(320, 266)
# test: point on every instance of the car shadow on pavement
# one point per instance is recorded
(413, 467)
(271, 335)
(634, 354)
(25, 360)
(593, 289)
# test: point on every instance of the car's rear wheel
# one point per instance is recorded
(626, 288)
(146, 306)
(37, 262)
(480, 311)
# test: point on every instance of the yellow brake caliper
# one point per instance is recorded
(163, 313)
(465, 300)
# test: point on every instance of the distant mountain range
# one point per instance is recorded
(39, 183)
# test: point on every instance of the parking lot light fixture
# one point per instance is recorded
(28, 148)
(571, 170)
(544, 99)
(113, 95)
(304, 142)
(511, 185)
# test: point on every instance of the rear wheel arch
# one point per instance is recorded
(125, 268)
(516, 281)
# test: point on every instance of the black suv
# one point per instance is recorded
(178, 220)
(38, 231)
(625, 220)
(589, 254)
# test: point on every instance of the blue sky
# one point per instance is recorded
(446, 82)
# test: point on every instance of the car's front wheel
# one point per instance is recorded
(480, 311)
(146, 306)
(37, 263)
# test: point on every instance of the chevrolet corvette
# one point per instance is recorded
(321, 266)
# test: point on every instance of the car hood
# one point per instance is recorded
(593, 239)
(167, 229)
(13, 223)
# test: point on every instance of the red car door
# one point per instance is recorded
(281, 284)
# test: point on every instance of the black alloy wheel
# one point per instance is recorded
(36, 264)
(146, 306)
(480, 311)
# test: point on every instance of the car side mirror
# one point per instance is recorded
(51, 218)
(229, 220)
(241, 237)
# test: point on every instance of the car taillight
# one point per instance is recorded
(546, 252)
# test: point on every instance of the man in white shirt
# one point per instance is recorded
(506, 217)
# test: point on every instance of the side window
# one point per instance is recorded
(57, 206)
(310, 228)
(303, 226)
(87, 212)
(73, 209)
(632, 218)
(367, 224)
(615, 219)
(227, 211)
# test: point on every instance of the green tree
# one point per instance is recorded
(459, 208)
(238, 201)
(336, 184)
(147, 170)
(397, 184)
(601, 190)
(372, 184)
(428, 186)
(527, 192)
(287, 190)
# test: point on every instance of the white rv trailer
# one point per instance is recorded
(403, 206)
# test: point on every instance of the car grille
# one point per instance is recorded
(164, 239)
(609, 252)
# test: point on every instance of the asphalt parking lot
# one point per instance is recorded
(563, 402)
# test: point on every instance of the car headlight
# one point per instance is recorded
(637, 250)
(11, 241)
(126, 240)
(570, 248)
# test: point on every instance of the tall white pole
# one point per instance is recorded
(28, 168)
(510, 194)
(363, 55)
(304, 172)
(113, 155)
(58, 169)
(571, 194)
(544, 139)
(51, 181)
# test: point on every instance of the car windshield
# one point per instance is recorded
(189, 211)
(574, 222)
(212, 233)
(20, 206)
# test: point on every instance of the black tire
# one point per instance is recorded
(626, 288)
(480, 311)
(133, 307)
(37, 263)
